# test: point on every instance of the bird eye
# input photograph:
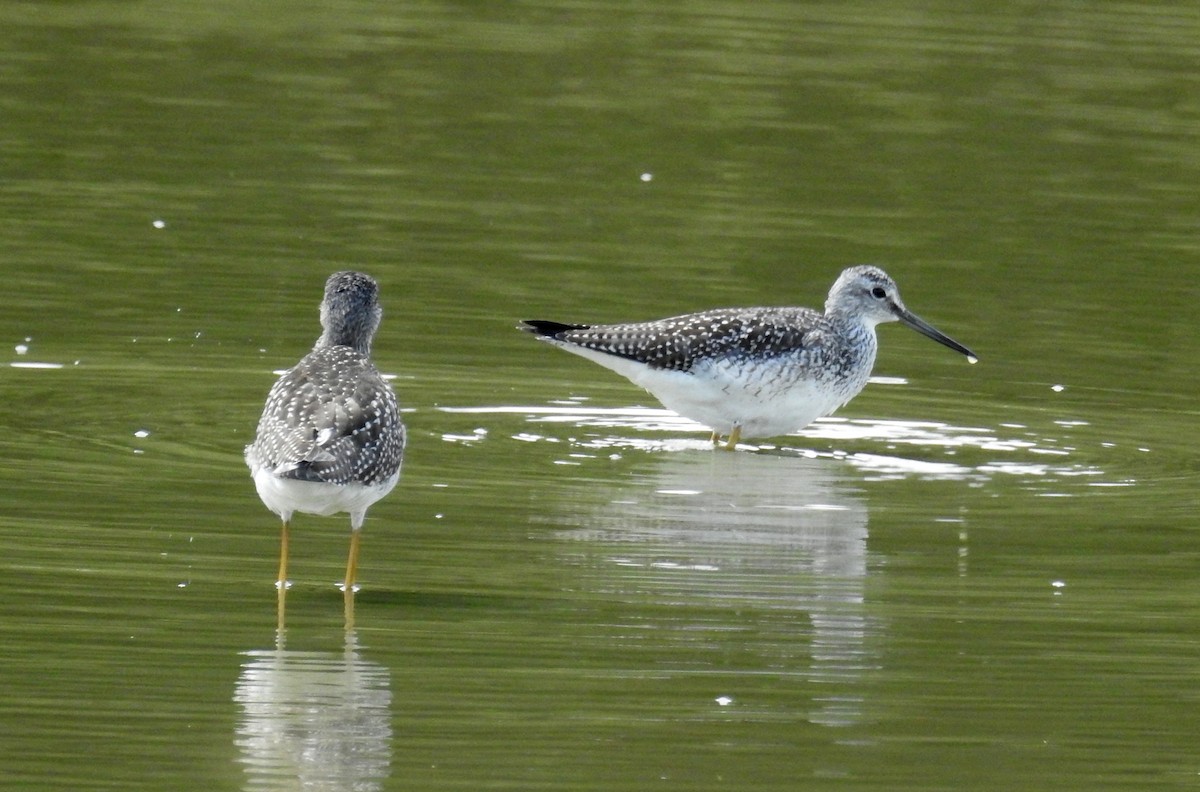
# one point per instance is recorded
(878, 293)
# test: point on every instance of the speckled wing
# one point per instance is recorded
(679, 343)
(325, 420)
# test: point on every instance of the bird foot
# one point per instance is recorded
(735, 436)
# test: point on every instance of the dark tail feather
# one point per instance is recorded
(542, 327)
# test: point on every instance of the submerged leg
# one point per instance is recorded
(734, 436)
(281, 581)
(352, 560)
(716, 437)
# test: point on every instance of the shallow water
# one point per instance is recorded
(972, 577)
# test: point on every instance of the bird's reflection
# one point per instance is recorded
(314, 720)
(281, 592)
(764, 537)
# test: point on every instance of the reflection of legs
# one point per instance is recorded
(281, 581)
(348, 608)
(280, 607)
(352, 560)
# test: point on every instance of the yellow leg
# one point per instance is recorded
(352, 561)
(734, 436)
(281, 581)
(716, 438)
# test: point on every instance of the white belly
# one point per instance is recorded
(722, 402)
(765, 401)
(285, 496)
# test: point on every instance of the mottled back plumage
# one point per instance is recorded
(332, 418)
(680, 342)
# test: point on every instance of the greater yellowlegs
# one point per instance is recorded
(753, 372)
(330, 438)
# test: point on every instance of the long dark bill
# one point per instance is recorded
(928, 330)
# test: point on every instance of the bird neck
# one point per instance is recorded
(345, 336)
(855, 331)
(848, 321)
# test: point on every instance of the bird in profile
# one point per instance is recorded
(330, 438)
(753, 372)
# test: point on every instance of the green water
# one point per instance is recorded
(973, 577)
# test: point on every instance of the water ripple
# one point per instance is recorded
(881, 448)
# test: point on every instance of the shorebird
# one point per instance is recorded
(753, 372)
(330, 438)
